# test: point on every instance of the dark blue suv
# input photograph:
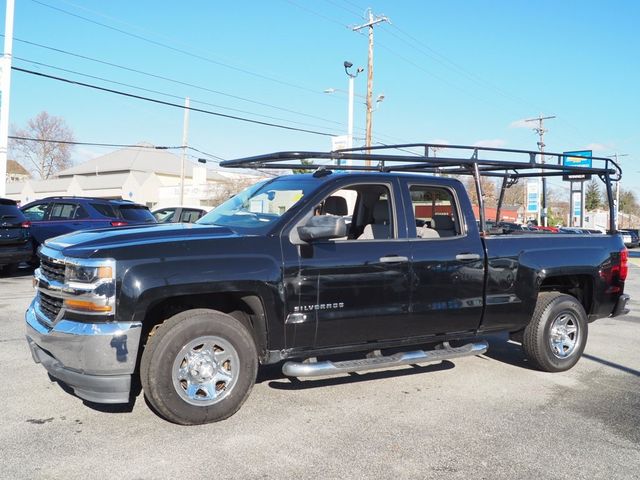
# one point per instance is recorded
(55, 216)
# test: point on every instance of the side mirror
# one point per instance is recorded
(323, 227)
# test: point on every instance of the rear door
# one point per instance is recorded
(447, 258)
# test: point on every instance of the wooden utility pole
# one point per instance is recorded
(373, 20)
(540, 130)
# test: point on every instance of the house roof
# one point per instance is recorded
(51, 185)
(142, 158)
(15, 168)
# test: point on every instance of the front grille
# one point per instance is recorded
(52, 270)
(49, 306)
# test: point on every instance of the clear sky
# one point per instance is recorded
(453, 71)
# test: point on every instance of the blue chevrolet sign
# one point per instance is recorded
(579, 158)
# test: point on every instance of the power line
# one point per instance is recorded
(164, 93)
(175, 49)
(92, 144)
(172, 80)
(116, 145)
(169, 104)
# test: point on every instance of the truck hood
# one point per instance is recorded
(84, 244)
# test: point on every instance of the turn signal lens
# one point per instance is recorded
(85, 306)
(118, 223)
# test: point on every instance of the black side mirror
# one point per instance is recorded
(323, 227)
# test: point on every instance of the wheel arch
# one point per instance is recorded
(245, 306)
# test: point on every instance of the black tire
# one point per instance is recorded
(170, 395)
(554, 309)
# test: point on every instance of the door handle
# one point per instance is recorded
(393, 259)
(462, 257)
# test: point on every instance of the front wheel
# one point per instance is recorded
(198, 367)
(557, 333)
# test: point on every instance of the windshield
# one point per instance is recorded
(260, 205)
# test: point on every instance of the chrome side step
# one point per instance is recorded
(443, 351)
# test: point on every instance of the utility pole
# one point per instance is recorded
(185, 139)
(540, 130)
(373, 20)
(5, 90)
(617, 209)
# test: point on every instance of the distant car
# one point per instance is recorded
(629, 238)
(55, 216)
(180, 214)
(15, 238)
(572, 230)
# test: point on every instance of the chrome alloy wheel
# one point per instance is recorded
(205, 370)
(564, 335)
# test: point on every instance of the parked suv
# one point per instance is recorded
(55, 216)
(15, 241)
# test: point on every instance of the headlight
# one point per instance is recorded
(87, 274)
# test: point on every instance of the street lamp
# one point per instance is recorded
(352, 76)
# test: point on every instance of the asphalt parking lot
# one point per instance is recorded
(486, 417)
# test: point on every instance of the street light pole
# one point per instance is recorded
(352, 76)
(5, 89)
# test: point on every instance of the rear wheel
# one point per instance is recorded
(557, 333)
(199, 367)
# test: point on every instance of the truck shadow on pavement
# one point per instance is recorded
(279, 381)
(506, 351)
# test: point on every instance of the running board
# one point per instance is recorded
(373, 361)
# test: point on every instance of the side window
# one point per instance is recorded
(36, 212)
(436, 215)
(189, 216)
(81, 213)
(104, 210)
(165, 216)
(62, 211)
(366, 209)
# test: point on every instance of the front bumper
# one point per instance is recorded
(96, 360)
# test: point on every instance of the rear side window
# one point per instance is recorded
(190, 216)
(136, 213)
(105, 210)
(63, 211)
(435, 212)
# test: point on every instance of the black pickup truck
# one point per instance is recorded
(302, 269)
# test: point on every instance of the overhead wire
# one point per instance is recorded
(170, 104)
(201, 102)
(175, 49)
(172, 80)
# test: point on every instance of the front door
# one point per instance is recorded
(354, 289)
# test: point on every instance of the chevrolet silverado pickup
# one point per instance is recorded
(339, 270)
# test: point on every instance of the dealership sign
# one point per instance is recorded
(581, 159)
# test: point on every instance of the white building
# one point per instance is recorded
(140, 174)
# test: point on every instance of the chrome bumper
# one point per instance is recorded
(95, 359)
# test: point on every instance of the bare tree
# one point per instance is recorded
(227, 189)
(41, 152)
